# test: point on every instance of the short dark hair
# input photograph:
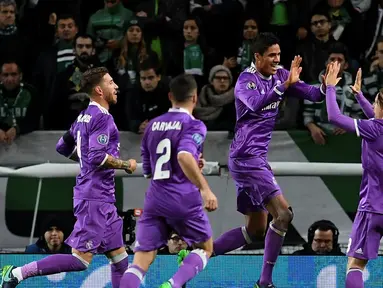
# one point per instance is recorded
(91, 78)
(338, 48)
(380, 40)
(182, 87)
(85, 36)
(66, 16)
(150, 63)
(263, 42)
(322, 12)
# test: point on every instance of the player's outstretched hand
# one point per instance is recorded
(133, 166)
(295, 70)
(358, 82)
(210, 201)
(332, 76)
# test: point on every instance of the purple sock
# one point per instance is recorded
(354, 279)
(132, 278)
(118, 270)
(273, 244)
(194, 263)
(230, 241)
(51, 265)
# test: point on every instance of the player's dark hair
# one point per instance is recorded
(264, 41)
(338, 48)
(182, 87)
(84, 36)
(92, 78)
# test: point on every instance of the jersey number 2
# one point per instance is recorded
(165, 158)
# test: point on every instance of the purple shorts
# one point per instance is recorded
(367, 230)
(255, 184)
(98, 228)
(153, 231)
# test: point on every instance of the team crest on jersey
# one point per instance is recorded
(103, 139)
(198, 139)
(251, 85)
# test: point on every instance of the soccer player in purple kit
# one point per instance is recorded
(93, 141)
(367, 229)
(178, 192)
(258, 94)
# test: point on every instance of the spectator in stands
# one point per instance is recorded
(314, 50)
(68, 95)
(322, 240)
(51, 240)
(149, 98)
(53, 61)
(250, 33)
(315, 115)
(373, 29)
(133, 51)
(175, 245)
(12, 44)
(373, 80)
(16, 113)
(215, 106)
(108, 26)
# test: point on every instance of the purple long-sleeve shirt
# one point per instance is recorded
(257, 100)
(95, 137)
(371, 132)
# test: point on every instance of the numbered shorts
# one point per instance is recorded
(367, 230)
(255, 185)
(98, 228)
(153, 231)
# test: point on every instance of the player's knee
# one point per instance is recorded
(284, 218)
(252, 234)
(81, 264)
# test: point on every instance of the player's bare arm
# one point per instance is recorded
(190, 167)
(114, 163)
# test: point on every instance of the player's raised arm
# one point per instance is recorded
(247, 92)
(66, 146)
(363, 102)
(299, 88)
(189, 146)
(98, 144)
(333, 111)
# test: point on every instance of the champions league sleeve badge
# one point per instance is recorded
(251, 86)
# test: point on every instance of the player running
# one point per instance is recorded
(93, 141)
(367, 229)
(170, 150)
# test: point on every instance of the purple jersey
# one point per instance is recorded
(257, 100)
(371, 188)
(170, 192)
(95, 136)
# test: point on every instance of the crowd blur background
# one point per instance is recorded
(46, 46)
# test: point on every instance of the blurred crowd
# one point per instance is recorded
(46, 45)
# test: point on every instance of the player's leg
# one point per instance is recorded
(363, 245)
(151, 234)
(196, 232)
(282, 216)
(256, 223)
(113, 244)
(84, 240)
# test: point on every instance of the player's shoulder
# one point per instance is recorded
(282, 72)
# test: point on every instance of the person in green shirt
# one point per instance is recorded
(108, 27)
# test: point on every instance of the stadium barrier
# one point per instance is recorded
(223, 271)
(60, 170)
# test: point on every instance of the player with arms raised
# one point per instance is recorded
(367, 229)
(258, 93)
(171, 147)
(93, 141)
